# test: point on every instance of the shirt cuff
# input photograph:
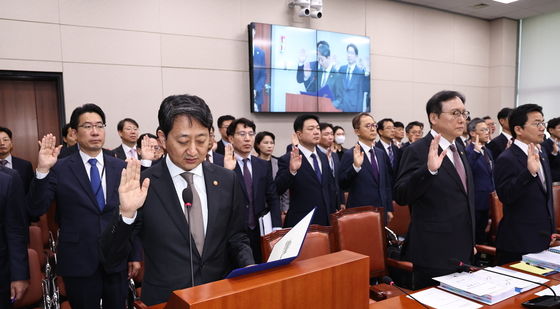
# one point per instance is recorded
(293, 174)
(146, 163)
(433, 173)
(40, 175)
(129, 221)
(357, 169)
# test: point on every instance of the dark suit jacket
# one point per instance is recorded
(164, 234)
(352, 94)
(363, 188)
(334, 82)
(310, 83)
(66, 151)
(497, 145)
(13, 230)
(336, 172)
(397, 153)
(528, 218)
(218, 159)
(264, 190)
(221, 149)
(81, 222)
(306, 192)
(119, 153)
(25, 171)
(483, 177)
(442, 218)
(553, 160)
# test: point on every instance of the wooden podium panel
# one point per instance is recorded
(308, 103)
(337, 280)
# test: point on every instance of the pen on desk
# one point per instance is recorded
(540, 267)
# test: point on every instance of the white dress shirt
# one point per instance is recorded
(307, 154)
(367, 148)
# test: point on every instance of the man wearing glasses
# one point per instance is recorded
(434, 178)
(85, 187)
(257, 183)
(524, 185)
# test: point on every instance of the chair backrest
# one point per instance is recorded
(34, 293)
(496, 214)
(360, 229)
(318, 241)
(36, 243)
(401, 219)
(556, 203)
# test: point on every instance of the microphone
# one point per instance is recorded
(546, 301)
(389, 281)
(187, 199)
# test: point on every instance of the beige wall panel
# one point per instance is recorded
(29, 41)
(30, 10)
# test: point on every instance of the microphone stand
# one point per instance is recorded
(389, 281)
(187, 198)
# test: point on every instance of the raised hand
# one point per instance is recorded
(295, 160)
(295, 139)
(477, 145)
(358, 156)
(48, 153)
(533, 159)
(435, 160)
(131, 194)
(229, 158)
(148, 148)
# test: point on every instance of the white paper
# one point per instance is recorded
(437, 298)
(544, 292)
(289, 245)
(265, 224)
(544, 256)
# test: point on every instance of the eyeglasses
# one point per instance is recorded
(243, 134)
(371, 126)
(130, 129)
(539, 124)
(456, 114)
(89, 126)
(485, 130)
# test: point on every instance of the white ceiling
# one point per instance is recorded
(515, 10)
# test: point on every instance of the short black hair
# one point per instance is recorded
(356, 120)
(552, 123)
(244, 121)
(472, 125)
(86, 108)
(141, 137)
(324, 125)
(518, 116)
(183, 105)
(120, 125)
(434, 104)
(399, 124)
(65, 130)
(486, 118)
(353, 47)
(298, 123)
(223, 118)
(381, 123)
(7, 131)
(336, 128)
(259, 137)
(323, 43)
(324, 50)
(412, 124)
(504, 113)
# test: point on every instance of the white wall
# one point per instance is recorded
(127, 55)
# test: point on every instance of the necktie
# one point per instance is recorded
(459, 166)
(541, 171)
(96, 186)
(3, 162)
(391, 155)
(195, 220)
(374, 164)
(133, 153)
(348, 75)
(316, 167)
(249, 186)
(486, 156)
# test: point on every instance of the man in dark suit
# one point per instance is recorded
(501, 142)
(223, 123)
(14, 269)
(386, 131)
(551, 146)
(128, 132)
(328, 77)
(307, 71)
(325, 146)
(23, 167)
(308, 175)
(207, 232)
(435, 180)
(257, 185)
(84, 185)
(524, 186)
(482, 164)
(354, 82)
(365, 170)
(414, 131)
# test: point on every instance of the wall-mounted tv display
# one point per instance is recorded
(305, 70)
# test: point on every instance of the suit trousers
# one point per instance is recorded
(86, 292)
(255, 240)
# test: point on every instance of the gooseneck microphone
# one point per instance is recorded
(546, 301)
(187, 199)
(389, 281)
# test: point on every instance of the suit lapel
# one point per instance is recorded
(448, 166)
(242, 180)
(214, 200)
(308, 168)
(112, 178)
(79, 170)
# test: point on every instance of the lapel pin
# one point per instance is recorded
(215, 183)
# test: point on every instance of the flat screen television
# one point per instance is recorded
(306, 70)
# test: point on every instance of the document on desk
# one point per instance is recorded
(437, 298)
(538, 270)
(545, 258)
(487, 287)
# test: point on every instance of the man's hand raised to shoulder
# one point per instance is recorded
(48, 153)
(131, 194)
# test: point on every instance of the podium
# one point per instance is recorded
(336, 280)
(308, 103)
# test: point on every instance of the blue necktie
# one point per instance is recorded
(96, 186)
(316, 167)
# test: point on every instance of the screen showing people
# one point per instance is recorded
(305, 70)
